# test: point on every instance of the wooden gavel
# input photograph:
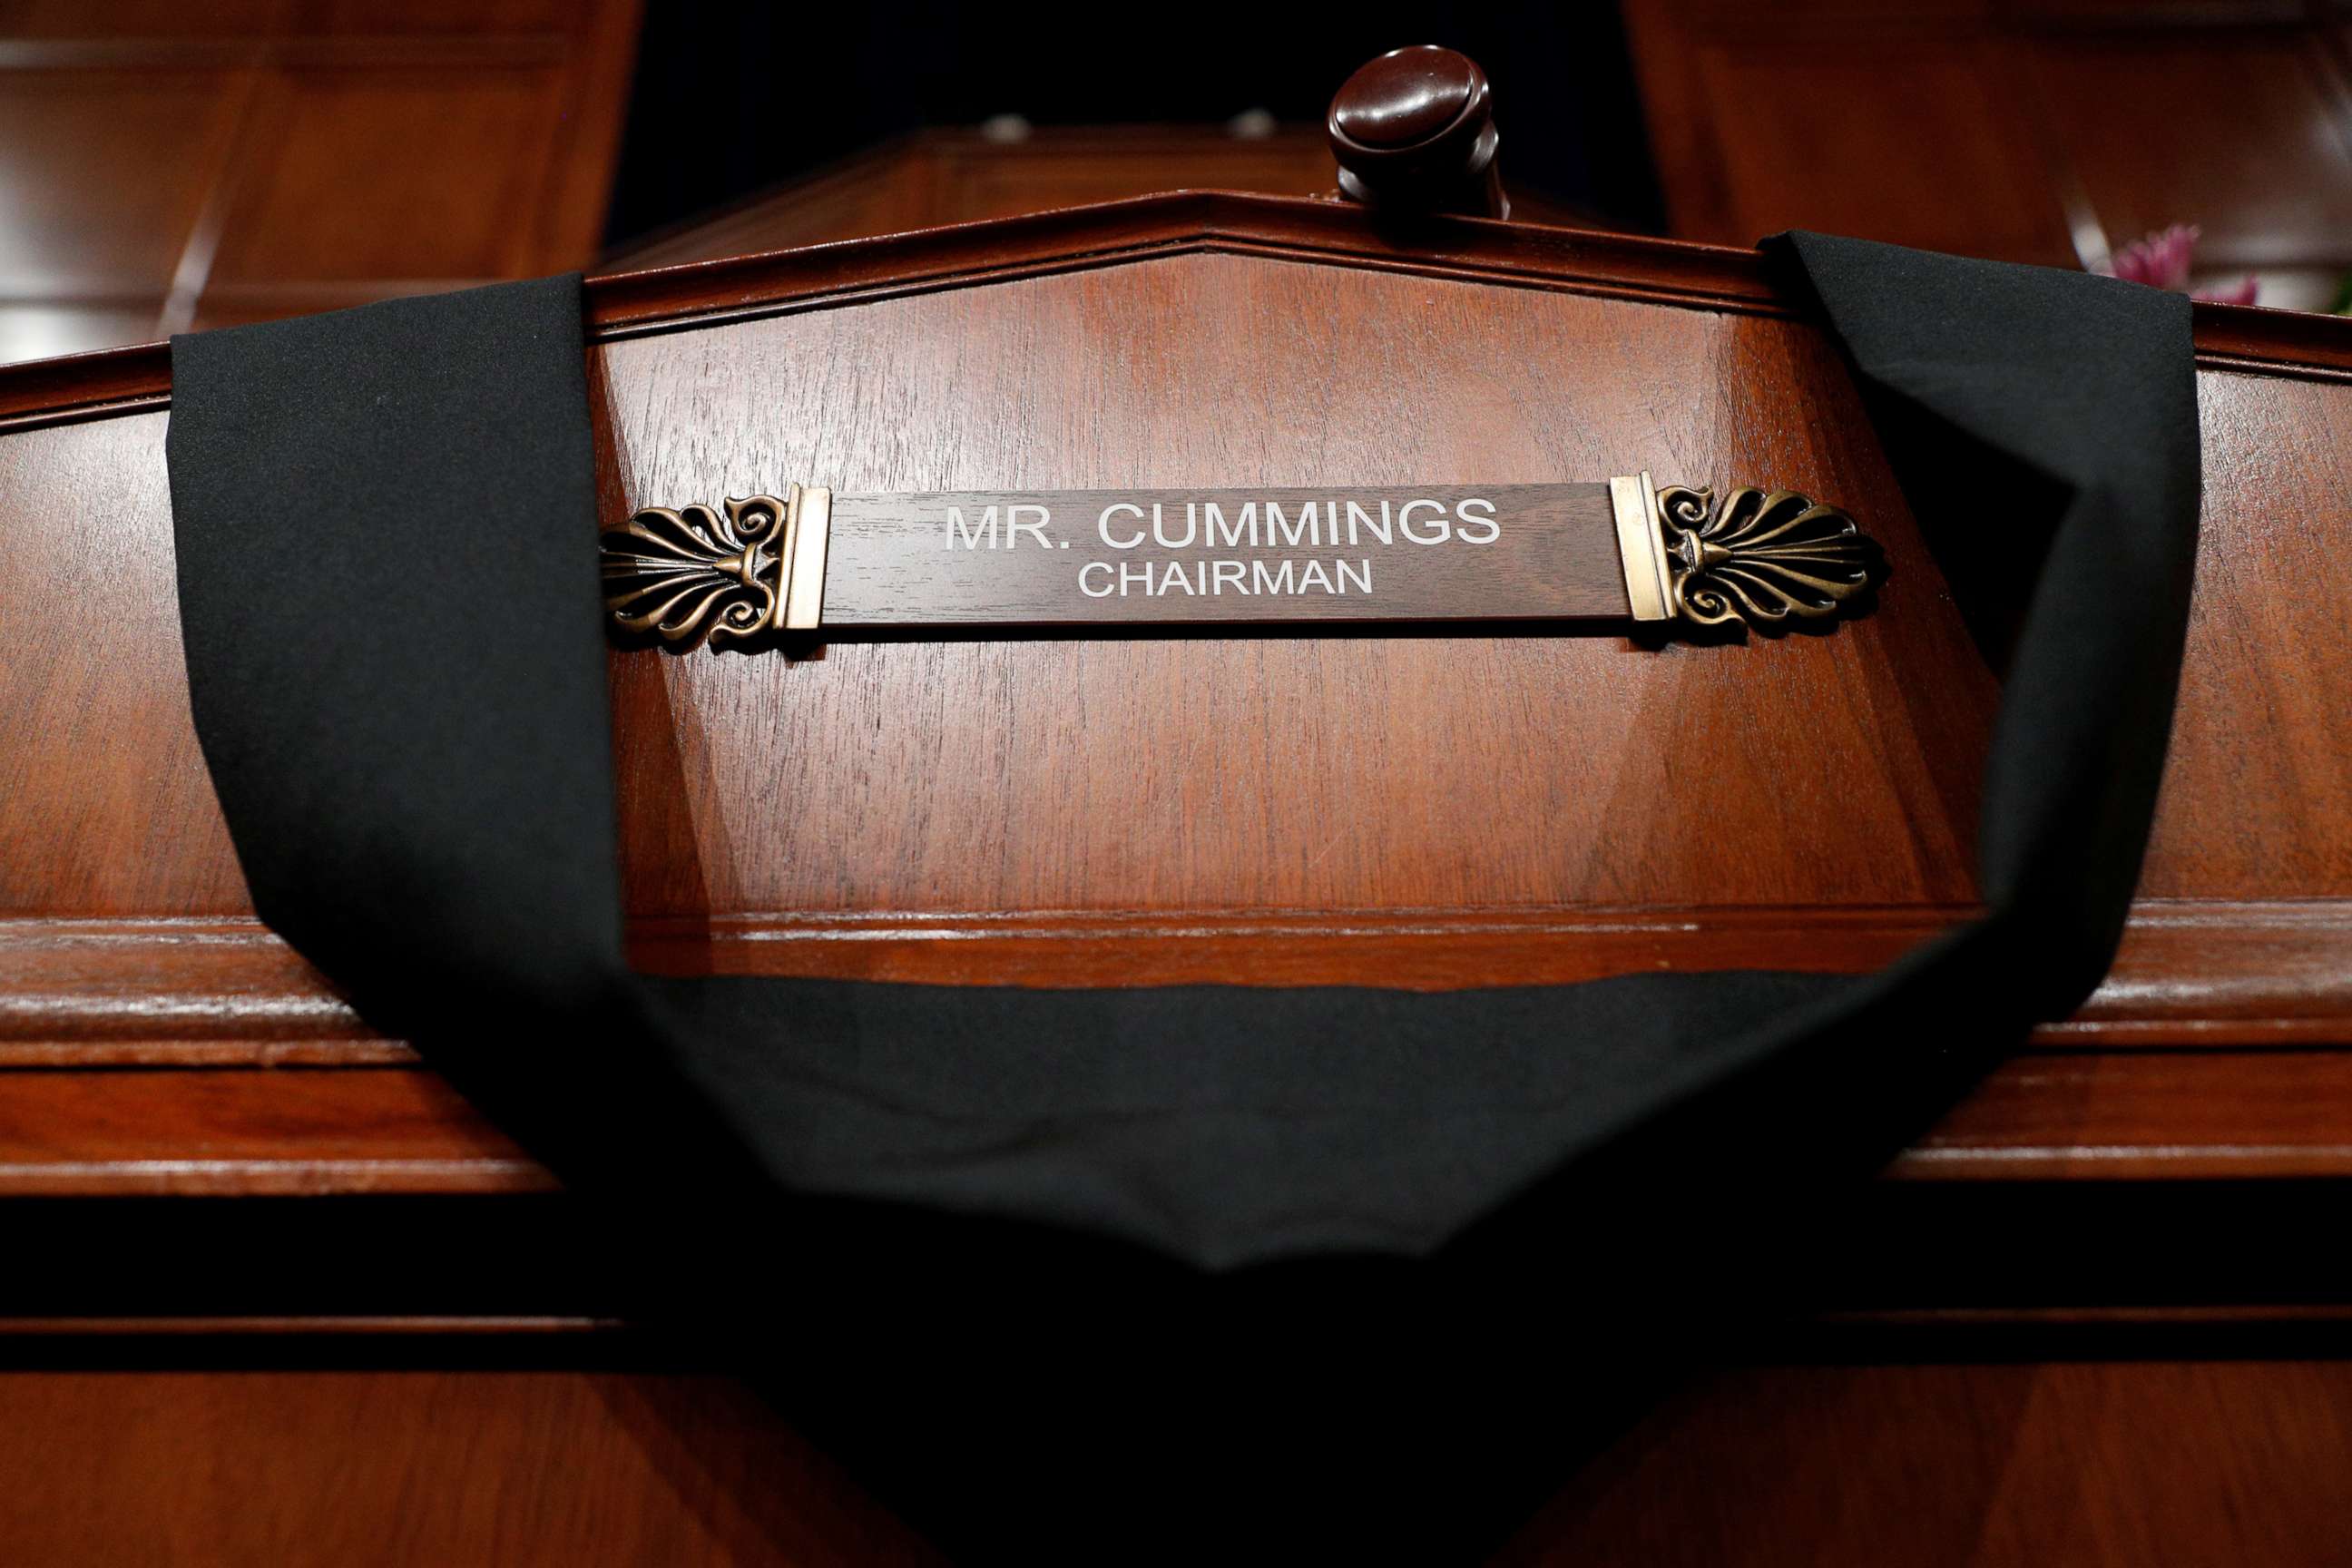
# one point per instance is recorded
(1414, 132)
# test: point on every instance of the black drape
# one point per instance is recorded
(1313, 1242)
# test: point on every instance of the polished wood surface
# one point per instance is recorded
(2035, 1463)
(1414, 132)
(222, 990)
(173, 166)
(1004, 802)
(994, 841)
(2114, 1465)
(1486, 809)
(566, 1469)
(320, 1127)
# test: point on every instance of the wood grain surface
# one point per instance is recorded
(1452, 771)
(1463, 781)
(2115, 1463)
(1466, 779)
(452, 1467)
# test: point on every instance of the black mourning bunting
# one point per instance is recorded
(1340, 1229)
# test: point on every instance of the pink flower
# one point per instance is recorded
(2162, 261)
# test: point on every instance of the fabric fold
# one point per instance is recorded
(400, 697)
(400, 690)
(1425, 1211)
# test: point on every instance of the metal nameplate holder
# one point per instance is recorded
(810, 564)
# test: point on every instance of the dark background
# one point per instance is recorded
(732, 98)
(166, 167)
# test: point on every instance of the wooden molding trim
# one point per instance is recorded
(1296, 227)
(1520, 255)
(292, 1131)
(228, 993)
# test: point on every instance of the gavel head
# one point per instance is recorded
(1414, 132)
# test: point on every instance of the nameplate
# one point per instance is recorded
(811, 561)
(1081, 557)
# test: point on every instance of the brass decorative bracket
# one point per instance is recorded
(1759, 558)
(754, 567)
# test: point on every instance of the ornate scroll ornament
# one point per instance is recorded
(693, 574)
(1761, 556)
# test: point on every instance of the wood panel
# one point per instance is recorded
(1008, 832)
(2052, 134)
(2249, 136)
(2254, 727)
(1067, 775)
(2118, 1464)
(2020, 1465)
(107, 172)
(402, 136)
(169, 164)
(514, 1469)
(119, 799)
(1920, 140)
